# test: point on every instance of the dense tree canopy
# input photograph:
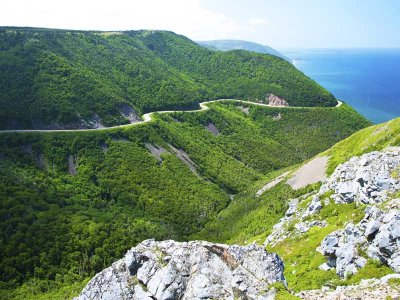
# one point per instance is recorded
(71, 203)
(56, 78)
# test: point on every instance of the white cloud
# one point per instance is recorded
(258, 21)
(188, 17)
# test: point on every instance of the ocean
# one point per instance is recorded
(367, 79)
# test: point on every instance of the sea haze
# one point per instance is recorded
(367, 79)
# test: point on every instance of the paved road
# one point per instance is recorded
(145, 118)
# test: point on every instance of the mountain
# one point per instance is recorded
(328, 236)
(227, 45)
(74, 202)
(83, 79)
(333, 242)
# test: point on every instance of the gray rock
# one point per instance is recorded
(372, 212)
(388, 217)
(347, 190)
(346, 257)
(325, 267)
(314, 207)
(302, 227)
(192, 270)
(366, 179)
(384, 243)
(318, 223)
(292, 207)
(330, 243)
(394, 262)
(372, 228)
(381, 239)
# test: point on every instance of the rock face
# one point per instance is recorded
(369, 179)
(189, 270)
(341, 248)
(276, 101)
(297, 216)
(366, 179)
(129, 113)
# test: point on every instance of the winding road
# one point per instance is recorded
(146, 117)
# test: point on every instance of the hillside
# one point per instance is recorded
(227, 45)
(294, 223)
(74, 202)
(338, 242)
(84, 79)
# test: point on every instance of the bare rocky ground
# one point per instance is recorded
(311, 172)
(189, 270)
(374, 289)
(213, 129)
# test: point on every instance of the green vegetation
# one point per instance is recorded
(373, 138)
(282, 292)
(373, 269)
(72, 203)
(227, 45)
(57, 78)
(299, 252)
(248, 218)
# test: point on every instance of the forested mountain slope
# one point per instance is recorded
(80, 79)
(71, 203)
(227, 45)
(300, 220)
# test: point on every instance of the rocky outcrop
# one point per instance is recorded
(72, 165)
(366, 179)
(245, 109)
(370, 289)
(188, 270)
(297, 217)
(213, 129)
(341, 248)
(185, 158)
(129, 113)
(276, 101)
(369, 179)
(377, 235)
(372, 180)
(155, 150)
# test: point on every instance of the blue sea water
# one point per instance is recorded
(367, 79)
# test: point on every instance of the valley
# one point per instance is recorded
(115, 160)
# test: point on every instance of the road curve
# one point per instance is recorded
(146, 117)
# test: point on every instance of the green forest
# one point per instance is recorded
(69, 79)
(74, 202)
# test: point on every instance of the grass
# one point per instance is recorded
(373, 269)
(373, 138)
(282, 293)
(300, 255)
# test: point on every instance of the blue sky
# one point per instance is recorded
(318, 23)
(278, 23)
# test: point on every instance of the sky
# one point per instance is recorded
(277, 23)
